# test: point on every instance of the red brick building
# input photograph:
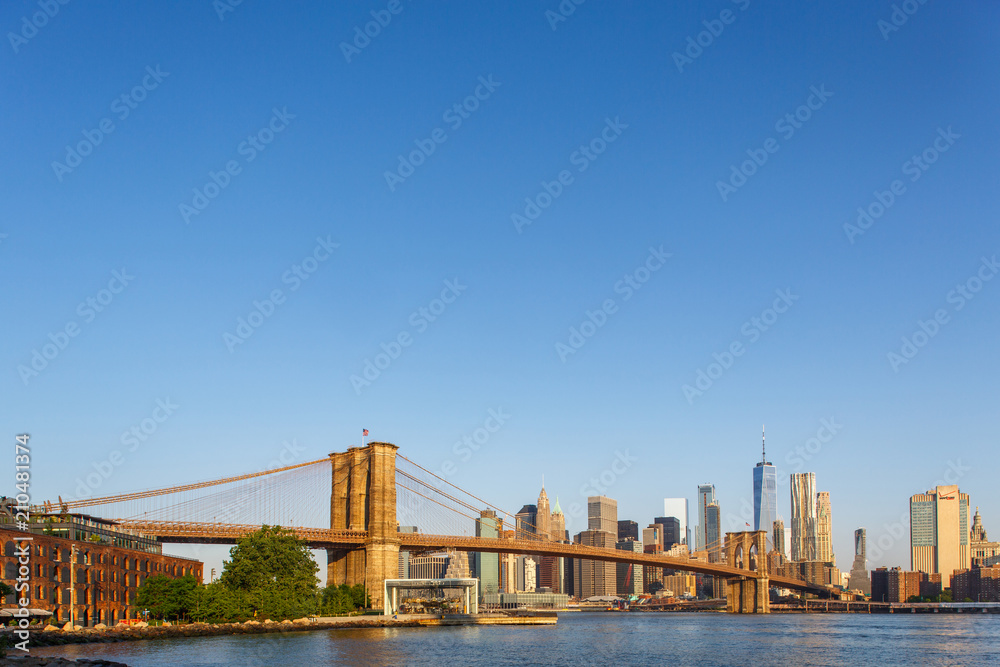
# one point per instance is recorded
(898, 585)
(980, 584)
(105, 577)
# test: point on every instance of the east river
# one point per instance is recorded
(584, 638)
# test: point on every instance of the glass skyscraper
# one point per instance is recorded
(765, 493)
(678, 508)
(713, 532)
(487, 565)
(706, 496)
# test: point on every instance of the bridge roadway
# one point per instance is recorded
(325, 538)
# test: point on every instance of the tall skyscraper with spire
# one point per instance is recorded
(544, 518)
(765, 492)
(557, 526)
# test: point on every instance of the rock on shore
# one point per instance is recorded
(57, 662)
(54, 636)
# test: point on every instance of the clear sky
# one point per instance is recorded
(631, 142)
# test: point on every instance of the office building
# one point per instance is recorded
(897, 585)
(671, 530)
(508, 573)
(571, 577)
(458, 565)
(677, 551)
(428, 567)
(779, 537)
(595, 577)
(706, 496)
(979, 584)
(680, 584)
(815, 572)
(404, 555)
(628, 575)
(765, 492)
(653, 534)
(824, 529)
(486, 566)
(602, 514)
(526, 573)
(652, 543)
(628, 530)
(982, 551)
(543, 516)
(557, 524)
(550, 573)
(678, 508)
(939, 532)
(526, 521)
(859, 580)
(803, 491)
(713, 532)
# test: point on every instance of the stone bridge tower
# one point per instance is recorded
(748, 595)
(364, 498)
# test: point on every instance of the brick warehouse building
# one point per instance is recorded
(108, 572)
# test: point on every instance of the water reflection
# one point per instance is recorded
(598, 638)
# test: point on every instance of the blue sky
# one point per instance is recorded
(334, 125)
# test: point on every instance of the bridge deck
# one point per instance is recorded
(320, 538)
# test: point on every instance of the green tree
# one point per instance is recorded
(155, 595)
(946, 595)
(275, 572)
(184, 593)
(342, 599)
(216, 603)
(271, 574)
(168, 598)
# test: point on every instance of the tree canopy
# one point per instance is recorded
(270, 574)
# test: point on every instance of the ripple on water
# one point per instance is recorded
(596, 638)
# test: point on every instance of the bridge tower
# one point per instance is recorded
(748, 595)
(363, 497)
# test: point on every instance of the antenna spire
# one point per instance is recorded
(763, 452)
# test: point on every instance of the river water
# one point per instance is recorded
(585, 638)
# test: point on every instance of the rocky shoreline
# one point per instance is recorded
(53, 636)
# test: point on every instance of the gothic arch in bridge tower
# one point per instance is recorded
(363, 498)
(749, 594)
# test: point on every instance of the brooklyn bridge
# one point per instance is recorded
(350, 504)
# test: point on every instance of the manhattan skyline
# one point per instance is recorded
(565, 334)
